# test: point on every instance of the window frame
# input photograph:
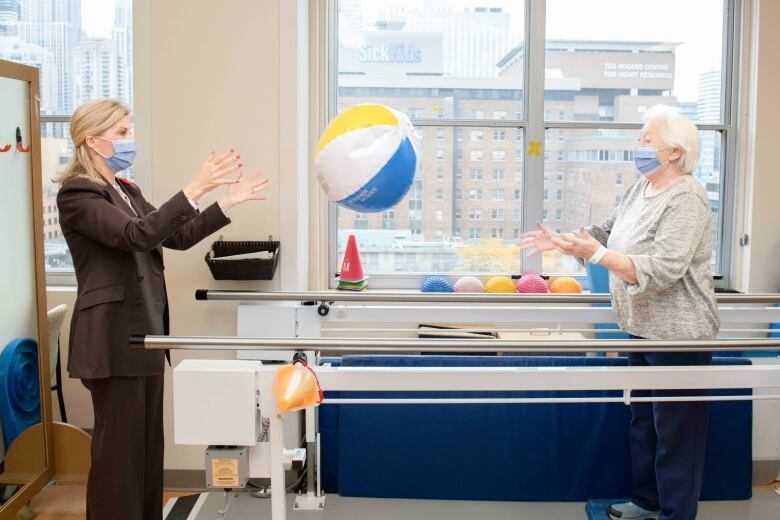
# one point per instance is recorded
(534, 125)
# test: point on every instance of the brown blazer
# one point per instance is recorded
(119, 268)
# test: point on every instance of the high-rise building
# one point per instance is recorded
(10, 11)
(13, 48)
(122, 37)
(95, 70)
(709, 111)
(54, 25)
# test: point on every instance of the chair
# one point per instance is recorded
(56, 317)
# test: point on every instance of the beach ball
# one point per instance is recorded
(436, 284)
(469, 284)
(565, 284)
(500, 284)
(367, 158)
(531, 283)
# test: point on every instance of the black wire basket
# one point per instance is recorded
(243, 269)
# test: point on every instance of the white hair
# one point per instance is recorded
(677, 131)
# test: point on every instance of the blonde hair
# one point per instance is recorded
(677, 131)
(91, 118)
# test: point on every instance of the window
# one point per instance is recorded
(416, 113)
(439, 194)
(475, 214)
(79, 59)
(498, 175)
(439, 155)
(439, 215)
(476, 174)
(498, 195)
(603, 73)
(516, 214)
(497, 214)
(497, 233)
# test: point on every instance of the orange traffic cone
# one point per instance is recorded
(351, 275)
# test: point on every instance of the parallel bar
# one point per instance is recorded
(447, 345)
(490, 379)
(554, 400)
(413, 297)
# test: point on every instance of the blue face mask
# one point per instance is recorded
(124, 154)
(646, 161)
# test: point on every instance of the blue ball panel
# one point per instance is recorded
(389, 186)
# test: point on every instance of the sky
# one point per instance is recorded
(97, 17)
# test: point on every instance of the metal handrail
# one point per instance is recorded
(448, 345)
(415, 297)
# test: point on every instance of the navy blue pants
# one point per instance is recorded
(667, 443)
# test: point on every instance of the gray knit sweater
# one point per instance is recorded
(668, 237)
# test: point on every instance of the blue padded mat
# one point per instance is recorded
(531, 452)
(20, 398)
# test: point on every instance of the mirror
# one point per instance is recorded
(24, 394)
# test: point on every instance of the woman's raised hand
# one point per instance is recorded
(538, 241)
(213, 173)
(244, 189)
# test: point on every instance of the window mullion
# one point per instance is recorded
(533, 174)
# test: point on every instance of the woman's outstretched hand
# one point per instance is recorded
(243, 189)
(213, 173)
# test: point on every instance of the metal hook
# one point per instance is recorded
(19, 145)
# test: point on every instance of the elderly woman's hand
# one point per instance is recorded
(538, 241)
(582, 246)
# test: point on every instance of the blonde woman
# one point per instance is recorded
(657, 247)
(116, 238)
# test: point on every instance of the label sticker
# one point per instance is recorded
(224, 473)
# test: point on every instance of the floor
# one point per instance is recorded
(67, 503)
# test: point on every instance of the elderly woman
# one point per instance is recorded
(657, 246)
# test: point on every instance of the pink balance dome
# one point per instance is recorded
(532, 283)
(470, 284)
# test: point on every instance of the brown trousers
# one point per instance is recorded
(126, 478)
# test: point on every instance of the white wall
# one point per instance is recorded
(764, 222)
(212, 75)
